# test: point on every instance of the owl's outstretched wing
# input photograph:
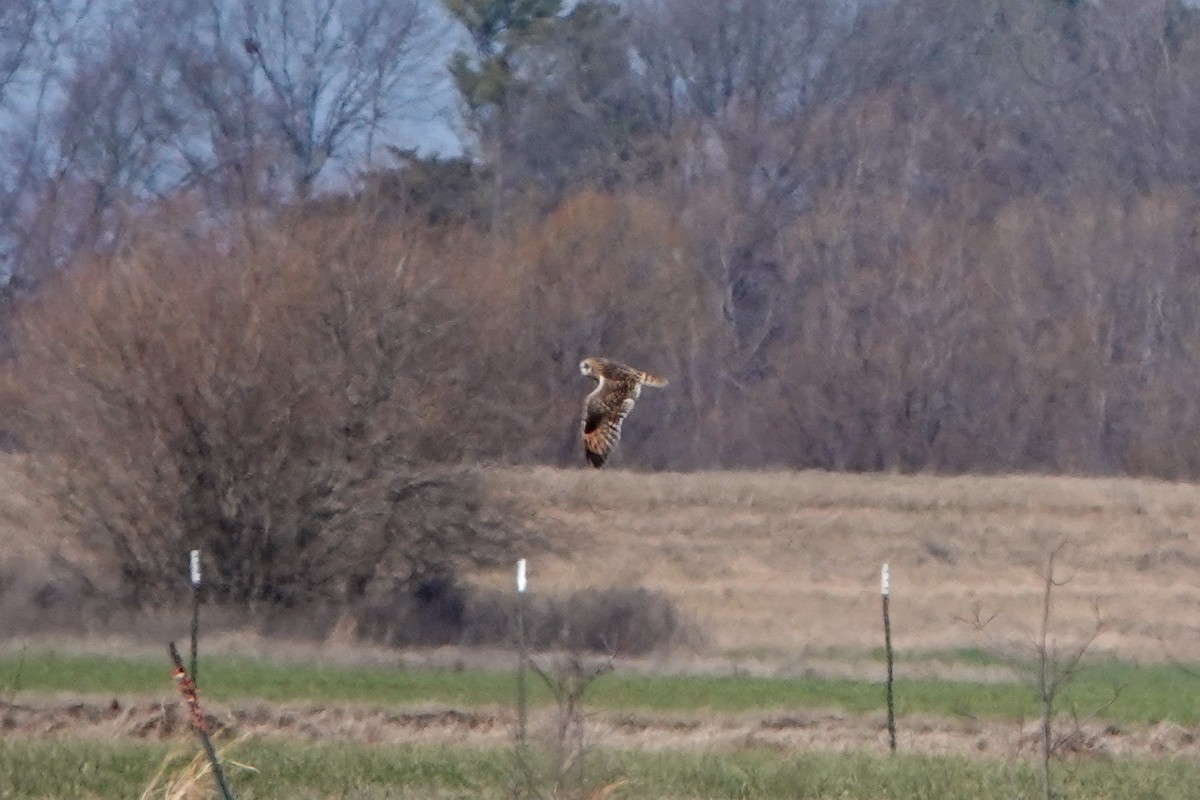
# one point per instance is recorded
(603, 414)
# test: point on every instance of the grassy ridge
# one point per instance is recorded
(73, 769)
(1143, 694)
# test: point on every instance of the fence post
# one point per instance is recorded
(884, 593)
(194, 574)
(522, 653)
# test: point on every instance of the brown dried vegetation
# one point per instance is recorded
(272, 399)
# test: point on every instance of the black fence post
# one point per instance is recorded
(885, 592)
(522, 654)
(194, 574)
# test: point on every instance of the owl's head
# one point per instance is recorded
(586, 368)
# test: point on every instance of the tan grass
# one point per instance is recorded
(28, 530)
(192, 779)
(787, 564)
(780, 569)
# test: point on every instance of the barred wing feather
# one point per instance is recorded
(602, 418)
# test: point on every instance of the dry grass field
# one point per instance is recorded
(781, 570)
(785, 566)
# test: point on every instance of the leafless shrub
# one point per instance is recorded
(431, 612)
(276, 400)
(620, 621)
(439, 611)
(624, 621)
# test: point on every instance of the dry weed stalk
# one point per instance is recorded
(187, 688)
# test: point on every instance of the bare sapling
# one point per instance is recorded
(568, 681)
(556, 769)
(1051, 671)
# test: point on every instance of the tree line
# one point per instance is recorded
(879, 236)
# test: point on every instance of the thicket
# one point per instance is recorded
(610, 621)
(274, 398)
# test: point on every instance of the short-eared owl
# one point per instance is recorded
(617, 387)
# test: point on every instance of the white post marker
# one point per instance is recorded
(521, 576)
(195, 569)
(884, 580)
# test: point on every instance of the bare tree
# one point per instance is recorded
(333, 73)
(18, 26)
(1052, 669)
(759, 55)
(95, 139)
(115, 134)
(729, 84)
(107, 106)
(199, 91)
(579, 114)
(34, 38)
(1068, 96)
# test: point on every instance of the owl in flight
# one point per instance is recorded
(617, 387)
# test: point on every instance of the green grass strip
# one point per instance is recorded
(86, 769)
(1143, 694)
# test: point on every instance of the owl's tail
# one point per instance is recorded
(653, 380)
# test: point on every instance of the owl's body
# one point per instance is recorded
(617, 387)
